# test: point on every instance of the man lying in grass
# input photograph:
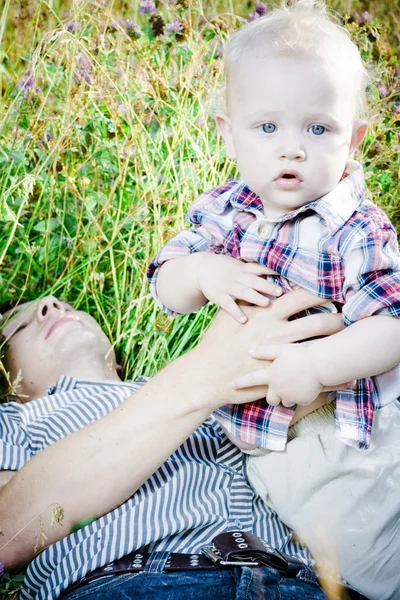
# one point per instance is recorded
(142, 464)
(294, 118)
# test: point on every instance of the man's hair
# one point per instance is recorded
(303, 30)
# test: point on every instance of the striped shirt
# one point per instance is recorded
(340, 247)
(200, 491)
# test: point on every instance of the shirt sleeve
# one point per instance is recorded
(209, 228)
(372, 275)
(14, 445)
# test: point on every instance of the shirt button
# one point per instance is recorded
(264, 231)
(238, 523)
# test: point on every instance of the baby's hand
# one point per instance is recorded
(290, 378)
(223, 279)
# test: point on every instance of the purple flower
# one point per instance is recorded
(366, 17)
(396, 147)
(122, 108)
(174, 26)
(147, 7)
(396, 72)
(82, 72)
(396, 109)
(27, 83)
(46, 137)
(383, 91)
(261, 8)
(216, 49)
(73, 26)
(254, 16)
(132, 28)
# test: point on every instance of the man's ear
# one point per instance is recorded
(225, 129)
(359, 132)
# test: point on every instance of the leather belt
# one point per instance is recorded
(228, 550)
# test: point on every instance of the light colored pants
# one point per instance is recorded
(342, 502)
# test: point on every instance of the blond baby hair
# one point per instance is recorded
(302, 30)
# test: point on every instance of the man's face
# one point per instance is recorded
(48, 338)
(290, 128)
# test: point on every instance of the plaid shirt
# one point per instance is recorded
(340, 247)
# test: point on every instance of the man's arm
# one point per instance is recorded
(94, 470)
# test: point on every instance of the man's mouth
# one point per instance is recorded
(59, 322)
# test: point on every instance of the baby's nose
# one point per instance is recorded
(293, 153)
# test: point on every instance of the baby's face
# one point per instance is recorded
(290, 128)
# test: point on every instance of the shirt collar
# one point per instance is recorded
(335, 208)
(64, 383)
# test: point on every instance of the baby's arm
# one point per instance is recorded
(188, 282)
(187, 272)
(299, 372)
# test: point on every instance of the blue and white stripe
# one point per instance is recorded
(199, 492)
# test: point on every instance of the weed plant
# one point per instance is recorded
(106, 136)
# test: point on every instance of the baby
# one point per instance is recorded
(294, 118)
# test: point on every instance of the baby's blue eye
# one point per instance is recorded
(268, 127)
(317, 129)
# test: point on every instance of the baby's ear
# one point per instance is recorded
(225, 129)
(359, 131)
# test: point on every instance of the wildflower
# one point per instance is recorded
(46, 137)
(157, 25)
(174, 26)
(147, 7)
(261, 8)
(254, 16)
(132, 28)
(383, 91)
(73, 26)
(27, 83)
(112, 26)
(366, 17)
(122, 108)
(396, 109)
(82, 72)
(216, 49)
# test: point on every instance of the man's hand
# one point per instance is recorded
(223, 280)
(290, 375)
(223, 354)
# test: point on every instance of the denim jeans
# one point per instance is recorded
(234, 584)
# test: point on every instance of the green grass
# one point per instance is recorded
(100, 161)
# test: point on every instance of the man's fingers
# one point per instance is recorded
(258, 377)
(342, 386)
(265, 352)
(272, 398)
(317, 325)
(294, 302)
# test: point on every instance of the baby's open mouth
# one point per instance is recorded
(288, 181)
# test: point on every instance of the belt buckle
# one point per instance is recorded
(216, 558)
(244, 549)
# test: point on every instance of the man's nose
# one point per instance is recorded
(48, 307)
